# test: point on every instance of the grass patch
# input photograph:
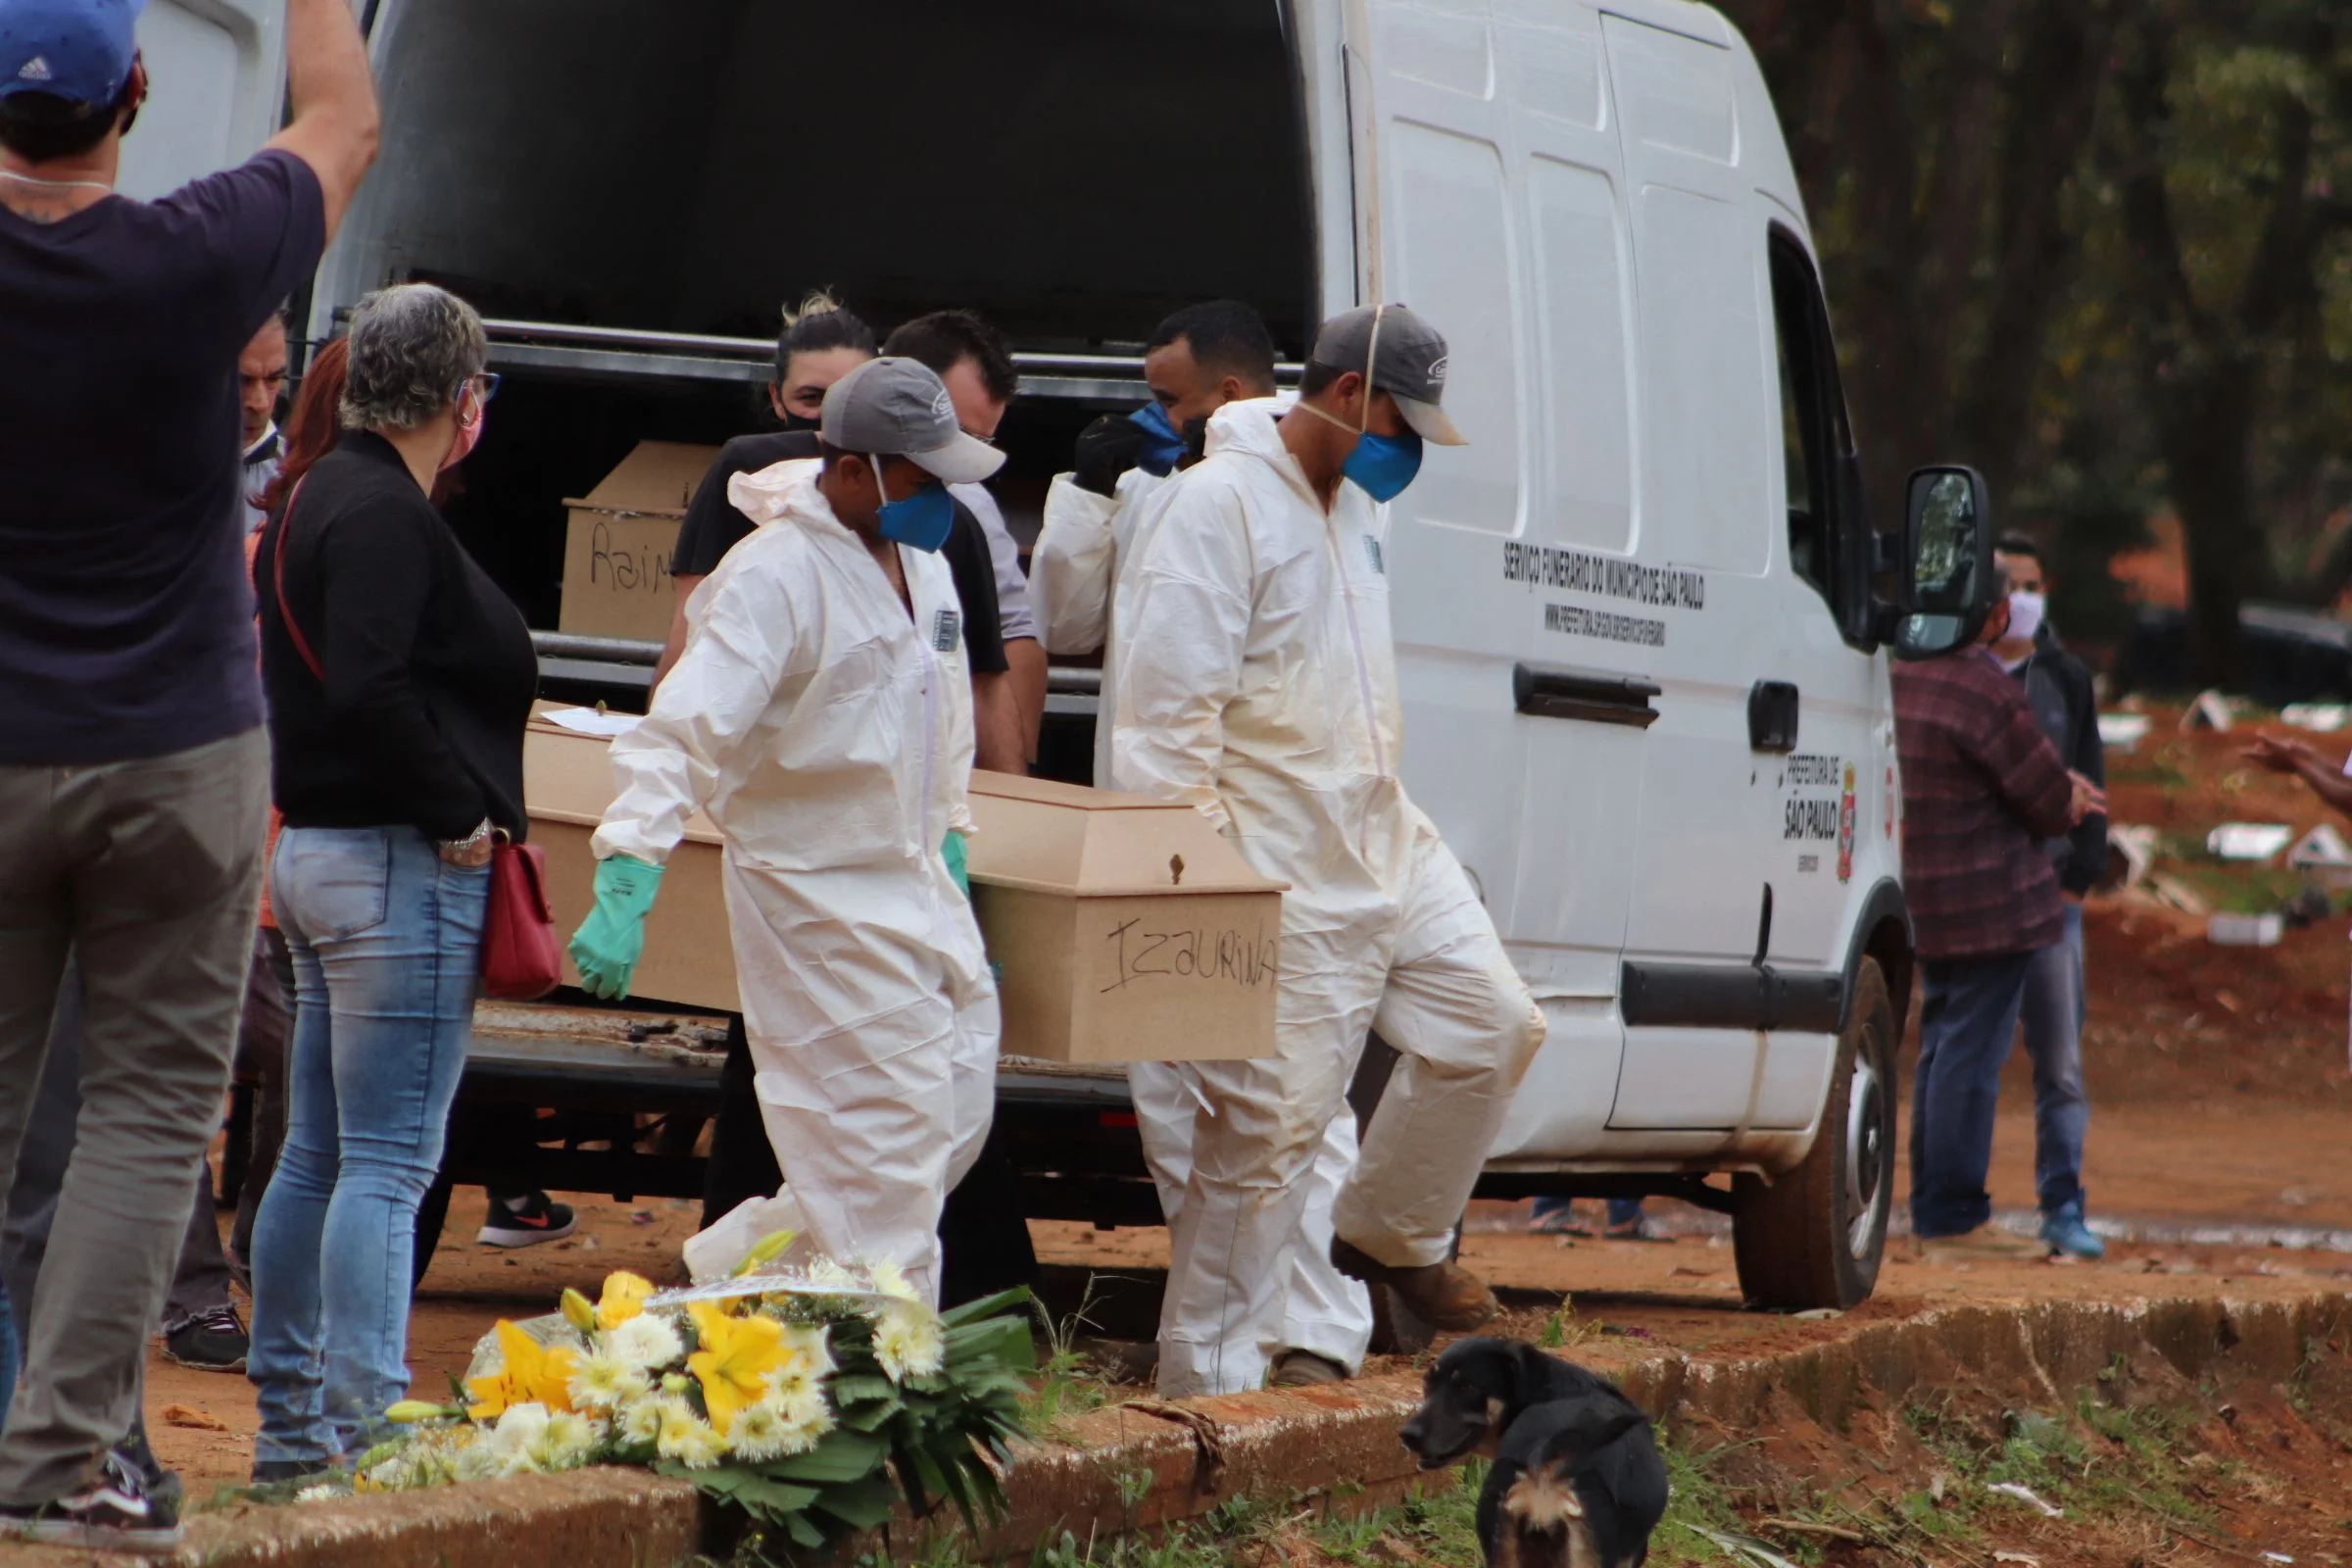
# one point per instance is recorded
(2097, 1459)
(1065, 1385)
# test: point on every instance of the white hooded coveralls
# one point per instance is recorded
(1257, 682)
(1077, 577)
(828, 734)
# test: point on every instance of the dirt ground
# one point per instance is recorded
(2219, 1081)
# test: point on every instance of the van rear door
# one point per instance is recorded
(1488, 192)
(214, 73)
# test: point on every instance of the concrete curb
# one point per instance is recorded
(1145, 1464)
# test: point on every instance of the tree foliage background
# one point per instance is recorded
(2102, 249)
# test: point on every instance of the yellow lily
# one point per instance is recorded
(737, 1355)
(531, 1374)
(623, 1299)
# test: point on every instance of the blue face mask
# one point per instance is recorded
(1381, 465)
(1163, 443)
(924, 520)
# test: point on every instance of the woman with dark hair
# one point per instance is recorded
(400, 679)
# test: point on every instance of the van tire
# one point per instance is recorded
(1813, 1236)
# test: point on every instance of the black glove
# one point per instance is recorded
(1106, 449)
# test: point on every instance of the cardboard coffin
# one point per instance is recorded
(1123, 929)
(618, 545)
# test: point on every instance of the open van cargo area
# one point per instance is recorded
(1075, 169)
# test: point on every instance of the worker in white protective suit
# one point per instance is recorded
(822, 716)
(1098, 518)
(1257, 682)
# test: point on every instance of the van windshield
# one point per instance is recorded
(1073, 169)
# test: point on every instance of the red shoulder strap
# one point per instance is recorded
(277, 578)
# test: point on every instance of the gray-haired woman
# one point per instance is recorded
(399, 681)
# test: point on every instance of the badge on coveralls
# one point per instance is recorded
(946, 627)
(1372, 554)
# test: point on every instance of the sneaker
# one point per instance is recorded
(211, 1340)
(116, 1513)
(1446, 1296)
(1304, 1369)
(527, 1221)
(2067, 1234)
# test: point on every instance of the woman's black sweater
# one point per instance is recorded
(429, 672)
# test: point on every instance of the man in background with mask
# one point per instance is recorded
(821, 714)
(1983, 789)
(1257, 682)
(1099, 518)
(2058, 688)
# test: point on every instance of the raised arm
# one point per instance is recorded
(335, 126)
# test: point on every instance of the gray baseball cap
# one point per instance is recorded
(897, 408)
(1410, 362)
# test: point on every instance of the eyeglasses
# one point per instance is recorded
(486, 385)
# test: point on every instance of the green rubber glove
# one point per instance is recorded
(609, 942)
(952, 852)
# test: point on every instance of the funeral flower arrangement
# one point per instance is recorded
(813, 1399)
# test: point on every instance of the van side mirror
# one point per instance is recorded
(1947, 573)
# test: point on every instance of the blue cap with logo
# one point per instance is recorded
(78, 50)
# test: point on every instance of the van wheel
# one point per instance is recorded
(1813, 1236)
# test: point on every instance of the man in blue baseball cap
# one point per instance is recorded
(133, 769)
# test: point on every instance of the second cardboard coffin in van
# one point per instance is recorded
(1124, 929)
(617, 551)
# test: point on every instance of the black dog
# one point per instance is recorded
(1576, 1481)
(1576, 1484)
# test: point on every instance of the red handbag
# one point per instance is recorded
(521, 961)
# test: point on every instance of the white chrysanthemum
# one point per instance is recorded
(907, 1341)
(568, 1442)
(519, 1427)
(814, 1345)
(806, 1417)
(758, 1435)
(811, 1362)
(689, 1439)
(645, 1342)
(891, 1280)
(319, 1493)
(824, 1271)
(479, 1461)
(640, 1421)
(605, 1382)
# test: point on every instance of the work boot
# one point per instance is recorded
(1446, 1296)
(2066, 1233)
(1304, 1369)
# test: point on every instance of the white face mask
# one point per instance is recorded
(2024, 617)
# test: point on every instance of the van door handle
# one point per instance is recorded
(1597, 696)
(1772, 714)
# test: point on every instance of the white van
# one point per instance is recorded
(1638, 634)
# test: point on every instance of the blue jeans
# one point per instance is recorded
(386, 941)
(2053, 1014)
(1966, 1022)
